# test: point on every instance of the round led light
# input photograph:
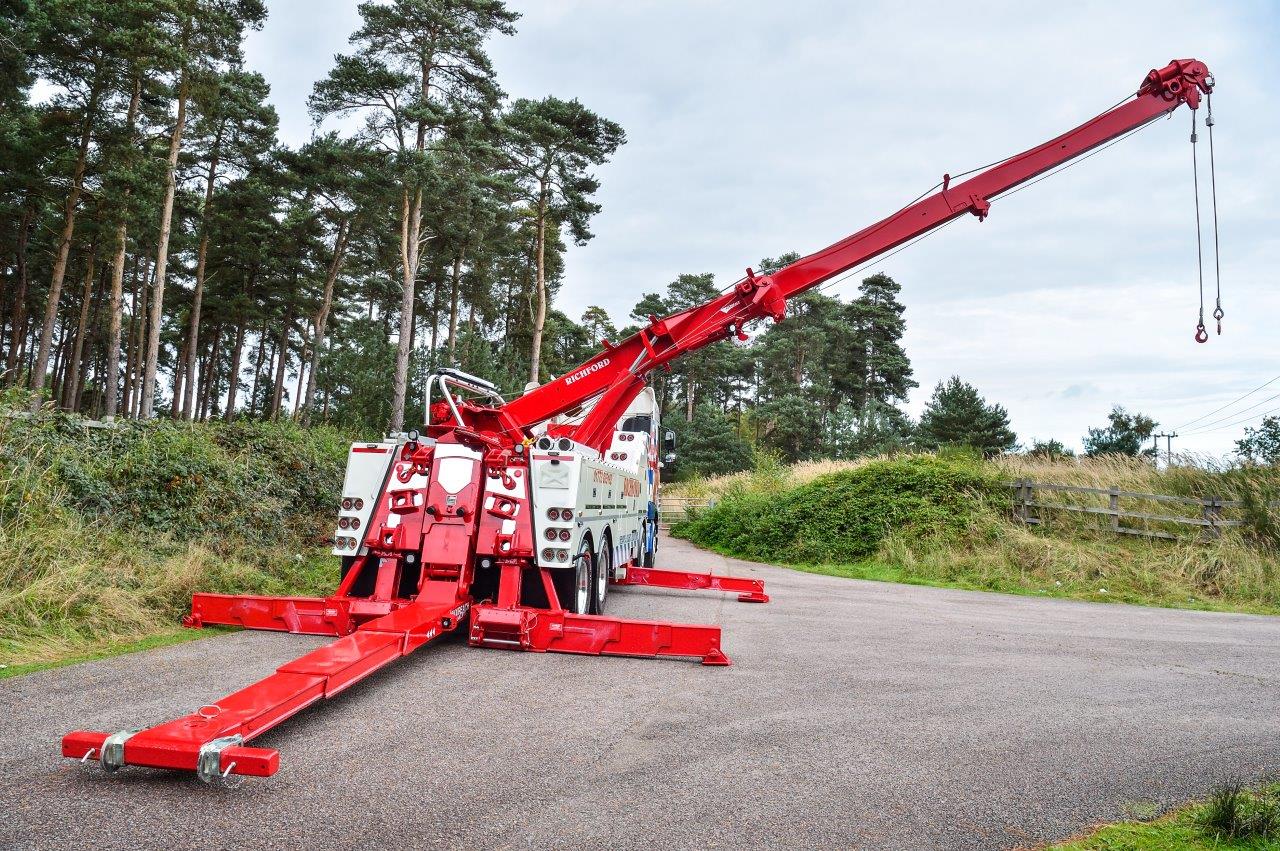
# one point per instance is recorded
(355, 522)
(565, 534)
(562, 555)
(346, 504)
(548, 555)
(565, 444)
(343, 522)
(359, 504)
(551, 534)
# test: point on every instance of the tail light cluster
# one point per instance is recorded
(348, 522)
(558, 535)
(555, 555)
(619, 456)
(352, 503)
(344, 543)
(562, 515)
(627, 435)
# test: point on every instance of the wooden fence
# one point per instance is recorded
(673, 508)
(1208, 511)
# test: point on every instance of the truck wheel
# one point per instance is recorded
(583, 575)
(603, 574)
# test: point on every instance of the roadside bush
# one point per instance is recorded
(846, 515)
(105, 533)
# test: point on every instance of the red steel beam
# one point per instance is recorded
(748, 590)
(252, 711)
(543, 631)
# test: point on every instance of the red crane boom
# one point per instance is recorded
(617, 374)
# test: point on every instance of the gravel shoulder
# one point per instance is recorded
(856, 714)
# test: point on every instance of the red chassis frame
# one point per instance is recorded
(373, 632)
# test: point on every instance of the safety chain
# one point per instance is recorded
(1213, 187)
(1202, 336)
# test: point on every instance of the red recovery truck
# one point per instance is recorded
(511, 519)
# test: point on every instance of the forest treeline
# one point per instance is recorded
(165, 255)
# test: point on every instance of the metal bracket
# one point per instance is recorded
(209, 761)
(112, 757)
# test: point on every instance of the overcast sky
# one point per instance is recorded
(756, 128)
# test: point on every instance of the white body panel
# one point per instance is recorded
(367, 465)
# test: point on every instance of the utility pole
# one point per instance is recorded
(1168, 446)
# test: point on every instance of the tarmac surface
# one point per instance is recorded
(855, 715)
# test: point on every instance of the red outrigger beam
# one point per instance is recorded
(213, 740)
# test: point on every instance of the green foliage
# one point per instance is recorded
(1051, 450)
(1261, 445)
(1233, 813)
(846, 516)
(710, 445)
(105, 533)
(1233, 819)
(1124, 434)
(957, 415)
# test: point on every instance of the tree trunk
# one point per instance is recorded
(257, 367)
(410, 233)
(197, 295)
(453, 310)
(162, 257)
(19, 313)
(111, 383)
(91, 342)
(138, 303)
(322, 315)
(233, 383)
(180, 377)
(540, 319)
(41, 363)
(208, 379)
(71, 385)
(282, 365)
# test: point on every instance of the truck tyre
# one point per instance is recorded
(579, 601)
(650, 554)
(602, 577)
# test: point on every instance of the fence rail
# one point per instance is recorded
(671, 508)
(1210, 520)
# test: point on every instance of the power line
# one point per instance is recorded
(1240, 421)
(1209, 425)
(1232, 402)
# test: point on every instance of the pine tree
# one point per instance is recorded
(957, 415)
(552, 144)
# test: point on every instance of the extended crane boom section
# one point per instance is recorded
(617, 373)
(502, 522)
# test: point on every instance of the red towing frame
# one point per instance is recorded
(212, 740)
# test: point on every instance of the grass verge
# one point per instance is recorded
(946, 522)
(105, 533)
(1232, 819)
(162, 638)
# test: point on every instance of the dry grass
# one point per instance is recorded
(1070, 554)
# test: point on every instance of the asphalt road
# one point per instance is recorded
(856, 714)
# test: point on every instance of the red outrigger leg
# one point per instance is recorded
(213, 740)
(748, 590)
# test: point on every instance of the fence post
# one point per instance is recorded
(1114, 504)
(1019, 506)
(1211, 511)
